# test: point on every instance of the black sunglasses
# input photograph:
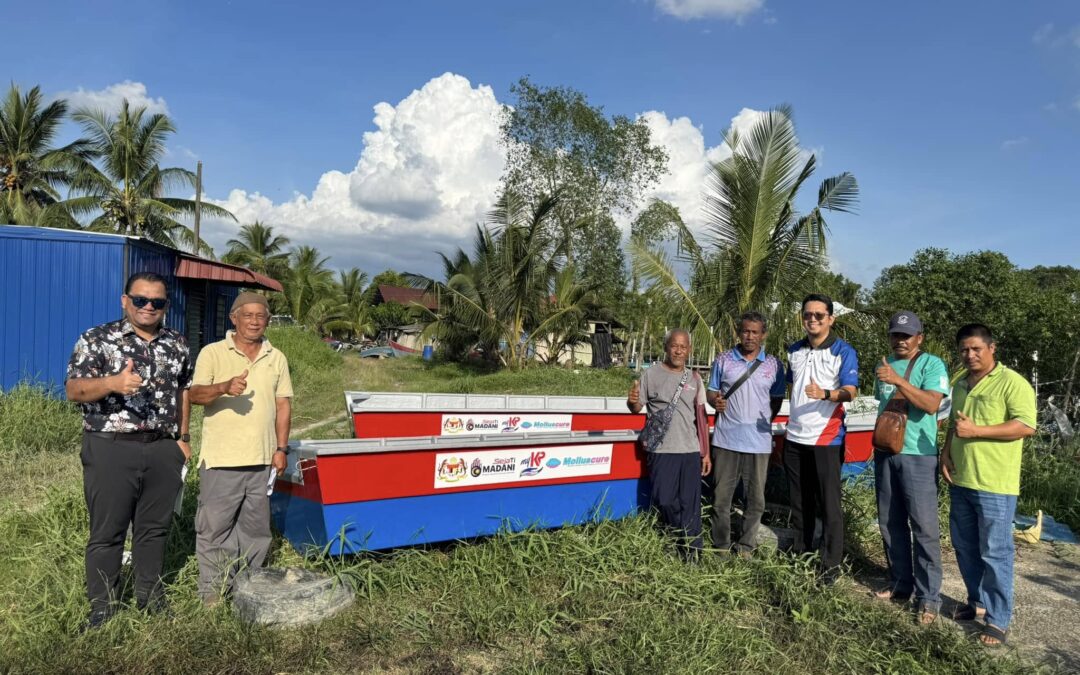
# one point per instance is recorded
(820, 316)
(140, 302)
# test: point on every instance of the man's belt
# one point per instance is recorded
(133, 436)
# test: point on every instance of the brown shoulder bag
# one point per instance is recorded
(891, 423)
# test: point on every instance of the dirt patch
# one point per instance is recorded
(1046, 620)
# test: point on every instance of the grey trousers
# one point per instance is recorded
(729, 467)
(232, 526)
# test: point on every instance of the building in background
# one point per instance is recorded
(54, 284)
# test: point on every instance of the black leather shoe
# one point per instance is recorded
(96, 619)
(158, 605)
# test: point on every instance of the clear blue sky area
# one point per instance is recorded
(959, 119)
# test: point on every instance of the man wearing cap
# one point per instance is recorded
(244, 384)
(906, 483)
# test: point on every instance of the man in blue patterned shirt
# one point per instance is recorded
(742, 436)
(131, 377)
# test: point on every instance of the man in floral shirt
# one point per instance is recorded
(131, 377)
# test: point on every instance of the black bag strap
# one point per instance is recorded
(739, 382)
(907, 374)
(682, 384)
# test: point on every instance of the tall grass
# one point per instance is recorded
(32, 423)
(606, 597)
(1050, 480)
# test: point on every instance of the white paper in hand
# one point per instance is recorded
(180, 495)
(270, 481)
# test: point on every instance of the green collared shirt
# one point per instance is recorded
(982, 463)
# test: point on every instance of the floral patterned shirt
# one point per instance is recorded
(164, 363)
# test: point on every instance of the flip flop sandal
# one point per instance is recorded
(992, 636)
(967, 613)
(927, 617)
(889, 594)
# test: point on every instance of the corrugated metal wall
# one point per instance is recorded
(53, 286)
(219, 300)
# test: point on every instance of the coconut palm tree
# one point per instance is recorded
(352, 311)
(259, 249)
(31, 170)
(758, 253)
(500, 298)
(126, 190)
(309, 288)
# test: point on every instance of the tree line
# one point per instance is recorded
(550, 256)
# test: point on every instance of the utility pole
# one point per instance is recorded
(198, 204)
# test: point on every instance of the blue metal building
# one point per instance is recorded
(54, 284)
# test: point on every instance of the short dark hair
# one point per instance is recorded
(819, 297)
(152, 277)
(756, 317)
(974, 330)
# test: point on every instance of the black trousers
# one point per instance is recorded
(128, 482)
(676, 495)
(813, 473)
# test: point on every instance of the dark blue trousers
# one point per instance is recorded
(676, 496)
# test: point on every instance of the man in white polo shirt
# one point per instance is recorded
(747, 389)
(824, 373)
(245, 385)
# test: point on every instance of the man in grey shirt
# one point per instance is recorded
(676, 466)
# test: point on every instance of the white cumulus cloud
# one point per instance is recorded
(426, 174)
(110, 98)
(430, 171)
(711, 9)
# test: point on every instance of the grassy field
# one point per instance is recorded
(608, 597)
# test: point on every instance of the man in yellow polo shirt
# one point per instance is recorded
(244, 384)
(993, 412)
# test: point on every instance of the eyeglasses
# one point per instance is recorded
(819, 316)
(140, 302)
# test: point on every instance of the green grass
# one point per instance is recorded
(1050, 480)
(607, 597)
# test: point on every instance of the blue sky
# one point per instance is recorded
(960, 120)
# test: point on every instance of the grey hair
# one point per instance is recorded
(755, 317)
(677, 331)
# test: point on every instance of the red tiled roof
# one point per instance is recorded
(407, 296)
(191, 267)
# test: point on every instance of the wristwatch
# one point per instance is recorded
(284, 449)
(828, 394)
(185, 438)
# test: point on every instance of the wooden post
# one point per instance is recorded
(198, 204)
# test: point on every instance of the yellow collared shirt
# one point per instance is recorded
(239, 430)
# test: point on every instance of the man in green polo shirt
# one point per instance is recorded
(993, 412)
(244, 384)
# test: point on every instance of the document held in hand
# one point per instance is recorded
(270, 481)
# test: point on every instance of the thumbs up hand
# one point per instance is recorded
(964, 427)
(236, 385)
(127, 381)
(886, 374)
(813, 391)
(634, 397)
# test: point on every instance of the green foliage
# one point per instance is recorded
(557, 143)
(1028, 310)
(500, 299)
(1050, 480)
(260, 250)
(760, 253)
(388, 315)
(127, 190)
(388, 278)
(31, 170)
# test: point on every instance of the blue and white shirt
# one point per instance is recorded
(832, 365)
(746, 424)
